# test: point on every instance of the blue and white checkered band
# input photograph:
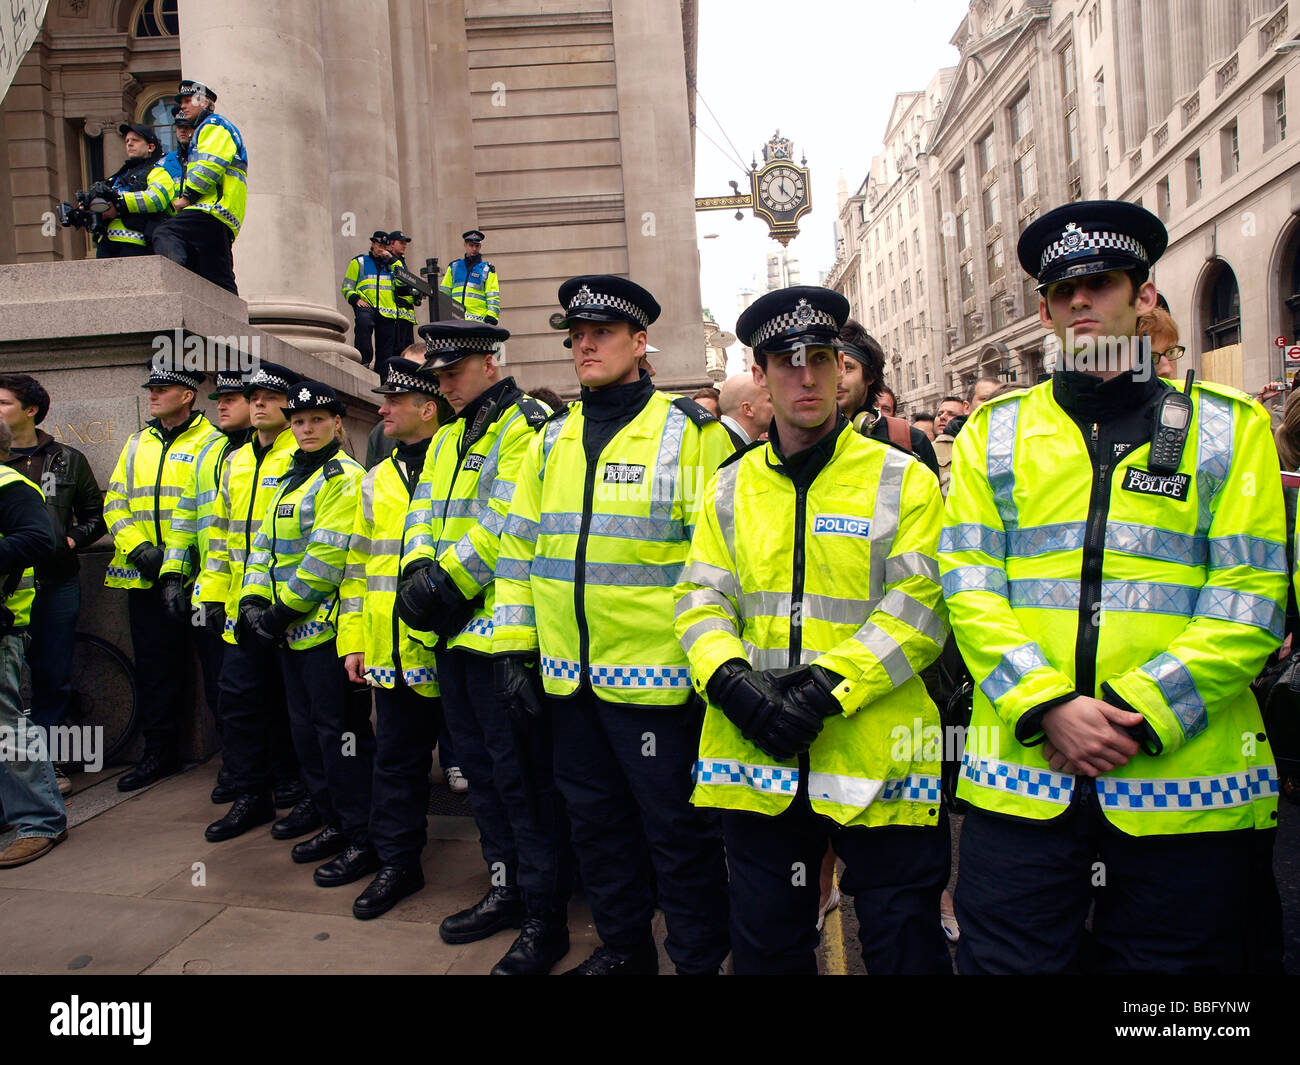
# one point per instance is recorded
(451, 345)
(400, 380)
(1074, 241)
(802, 317)
(271, 382)
(586, 300)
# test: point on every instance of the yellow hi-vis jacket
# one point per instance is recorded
(189, 540)
(460, 504)
(248, 481)
(20, 600)
(216, 172)
(590, 554)
(153, 471)
(843, 575)
(300, 551)
(368, 621)
(1172, 584)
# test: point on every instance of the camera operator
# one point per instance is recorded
(117, 229)
(145, 201)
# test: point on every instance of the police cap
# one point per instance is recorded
(313, 395)
(161, 373)
(190, 88)
(397, 234)
(794, 317)
(379, 236)
(403, 375)
(474, 235)
(1091, 237)
(271, 376)
(227, 381)
(448, 342)
(139, 130)
(604, 298)
(179, 119)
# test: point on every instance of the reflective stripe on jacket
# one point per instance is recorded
(194, 521)
(24, 594)
(216, 172)
(477, 289)
(372, 281)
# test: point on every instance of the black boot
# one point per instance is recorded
(358, 860)
(289, 793)
(500, 908)
(543, 942)
(153, 766)
(605, 961)
(302, 819)
(323, 845)
(392, 884)
(249, 811)
(224, 791)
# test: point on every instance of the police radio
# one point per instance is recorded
(1173, 417)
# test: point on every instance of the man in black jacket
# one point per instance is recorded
(76, 508)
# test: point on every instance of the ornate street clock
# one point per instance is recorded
(779, 191)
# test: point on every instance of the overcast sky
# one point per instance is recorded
(825, 72)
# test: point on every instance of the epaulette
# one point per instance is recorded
(735, 455)
(534, 412)
(332, 468)
(1226, 391)
(560, 414)
(694, 411)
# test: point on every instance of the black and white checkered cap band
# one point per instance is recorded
(229, 379)
(450, 345)
(587, 300)
(401, 381)
(1077, 242)
(271, 382)
(157, 377)
(802, 318)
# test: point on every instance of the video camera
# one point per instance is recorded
(91, 204)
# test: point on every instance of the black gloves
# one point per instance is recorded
(429, 601)
(781, 710)
(175, 601)
(518, 686)
(251, 610)
(489, 319)
(148, 559)
(214, 618)
(260, 621)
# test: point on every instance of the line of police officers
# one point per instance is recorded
(695, 667)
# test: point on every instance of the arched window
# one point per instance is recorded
(156, 18)
(1222, 314)
(157, 112)
(1291, 293)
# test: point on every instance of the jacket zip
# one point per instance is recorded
(397, 654)
(157, 487)
(1085, 661)
(796, 584)
(580, 570)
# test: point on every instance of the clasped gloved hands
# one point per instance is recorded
(148, 559)
(175, 600)
(781, 710)
(429, 601)
(260, 621)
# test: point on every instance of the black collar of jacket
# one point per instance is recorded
(240, 437)
(483, 410)
(413, 454)
(1092, 399)
(170, 435)
(44, 442)
(472, 261)
(803, 466)
(132, 165)
(617, 401)
(305, 462)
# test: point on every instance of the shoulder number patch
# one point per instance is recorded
(1169, 485)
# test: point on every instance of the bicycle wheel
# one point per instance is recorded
(103, 693)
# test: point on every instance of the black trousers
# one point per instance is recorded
(407, 727)
(211, 651)
(373, 335)
(1163, 904)
(329, 717)
(518, 811)
(117, 249)
(257, 749)
(625, 774)
(895, 874)
(403, 335)
(202, 243)
(163, 653)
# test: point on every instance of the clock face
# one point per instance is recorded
(782, 189)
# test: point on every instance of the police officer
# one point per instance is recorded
(156, 467)
(368, 287)
(1113, 563)
(290, 601)
(605, 501)
(447, 589)
(404, 299)
(189, 543)
(809, 603)
(377, 647)
(143, 189)
(261, 769)
(472, 281)
(210, 205)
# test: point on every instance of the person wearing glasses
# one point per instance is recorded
(1159, 325)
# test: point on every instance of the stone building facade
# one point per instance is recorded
(562, 128)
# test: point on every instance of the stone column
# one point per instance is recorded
(363, 188)
(1223, 29)
(1188, 66)
(451, 164)
(1260, 8)
(264, 60)
(413, 103)
(1156, 45)
(1132, 66)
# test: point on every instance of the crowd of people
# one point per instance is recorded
(684, 654)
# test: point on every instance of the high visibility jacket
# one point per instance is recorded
(476, 289)
(841, 574)
(367, 279)
(590, 553)
(23, 595)
(152, 473)
(300, 551)
(1166, 589)
(461, 502)
(194, 521)
(248, 481)
(216, 172)
(155, 199)
(403, 297)
(368, 621)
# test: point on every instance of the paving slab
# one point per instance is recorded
(56, 932)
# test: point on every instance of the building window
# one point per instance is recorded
(907, 293)
(1022, 119)
(900, 218)
(920, 285)
(963, 231)
(1099, 98)
(992, 213)
(1026, 176)
(907, 332)
(890, 260)
(1094, 22)
(1231, 150)
(996, 260)
(958, 182)
(158, 113)
(1193, 178)
(1275, 115)
(893, 301)
(1067, 68)
(998, 313)
(902, 253)
(883, 312)
(912, 203)
(916, 242)
(889, 227)
(1223, 310)
(1162, 199)
(967, 274)
(1072, 135)
(157, 18)
(985, 160)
